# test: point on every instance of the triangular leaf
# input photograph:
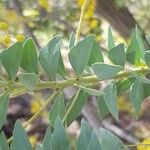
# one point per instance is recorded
(61, 68)
(29, 80)
(111, 42)
(94, 142)
(84, 137)
(133, 53)
(80, 53)
(20, 138)
(72, 40)
(91, 91)
(29, 57)
(105, 71)
(3, 142)
(136, 95)
(4, 100)
(103, 110)
(78, 103)
(110, 98)
(113, 55)
(11, 59)
(47, 140)
(49, 57)
(147, 58)
(109, 141)
(59, 139)
(96, 54)
(58, 109)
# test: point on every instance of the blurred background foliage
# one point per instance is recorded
(42, 19)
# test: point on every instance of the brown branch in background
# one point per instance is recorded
(120, 19)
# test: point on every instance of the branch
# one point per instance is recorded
(35, 116)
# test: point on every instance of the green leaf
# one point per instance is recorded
(133, 53)
(38, 147)
(29, 80)
(105, 71)
(29, 57)
(124, 84)
(80, 53)
(61, 68)
(59, 139)
(103, 110)
(47, 140)
(140, 42)
(4, 100)
(84, 137)
(94, 143)
(109, 141)
(58, 109)
(147, 58)
(49, 57)
(96, 54)
(111, 42)
(91, 91)
(78, 103)
(114, 57)
(110, 98)
(136, 95)
(11, 59)
(3, 142)
(72, 40)
(20, 138)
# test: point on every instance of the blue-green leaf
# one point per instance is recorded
(96, 54)
(38, 147)
(94, 142)
(140, 42)
(147, 58)
(91, 91)
(80, 53)
(136, 95)
(84, 137)
(61, 68)
(133, 54)
(110, 99)
(58, 109)
(109, 141)
(103, 110)
(78, 103)
(29, 57)
(3, 142)
(29, 80)
(4, 100)
(59, 138)
(105, 71)
(72, 40)
(49, 57)
(114, 57)
(11, 59)
(111, 42)
(47, 140)
(20, 138)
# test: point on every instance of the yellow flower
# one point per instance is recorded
(20, 37)
(43, 4)
(90, 7)
(6, 40)
(93, 23)
(141, 146)
(123, 105)
(3, 26)
(32, 140)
